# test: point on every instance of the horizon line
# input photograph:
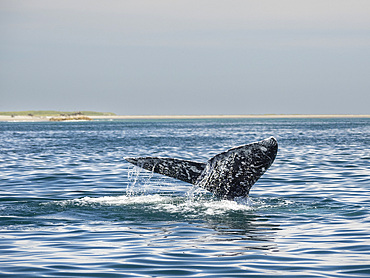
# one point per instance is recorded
(205, 116)
(179, 117)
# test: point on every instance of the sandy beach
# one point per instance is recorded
(179, 117)
(23, 119)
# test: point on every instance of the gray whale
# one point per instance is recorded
(228, 174)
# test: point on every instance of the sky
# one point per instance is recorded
(193, 57)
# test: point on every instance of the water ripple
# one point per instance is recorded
(70, 206)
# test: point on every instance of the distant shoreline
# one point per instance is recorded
(265, 116)
(184, 117)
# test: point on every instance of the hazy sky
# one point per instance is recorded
(144, 57)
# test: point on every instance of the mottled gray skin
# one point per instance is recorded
(184, 170)
(228, 175)
(232, 173)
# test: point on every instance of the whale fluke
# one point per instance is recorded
(184, 170)
(228, 174)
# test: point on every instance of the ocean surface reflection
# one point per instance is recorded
(70, 206)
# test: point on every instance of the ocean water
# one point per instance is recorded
(70, 206)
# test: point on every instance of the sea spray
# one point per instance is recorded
(139, 181)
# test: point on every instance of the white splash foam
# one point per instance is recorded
(117, 200)
(167, 204)
(208, 207)
(224, 206)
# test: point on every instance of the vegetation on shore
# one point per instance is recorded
(52, 113)
(70, 118)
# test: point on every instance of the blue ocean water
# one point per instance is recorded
(70, 206)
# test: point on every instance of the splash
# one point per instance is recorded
(143, 190)
(139, 181)
(115, 200)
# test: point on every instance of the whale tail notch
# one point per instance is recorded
(228, 174)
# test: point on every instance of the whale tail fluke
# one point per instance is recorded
(228, 174)
(185, 170)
